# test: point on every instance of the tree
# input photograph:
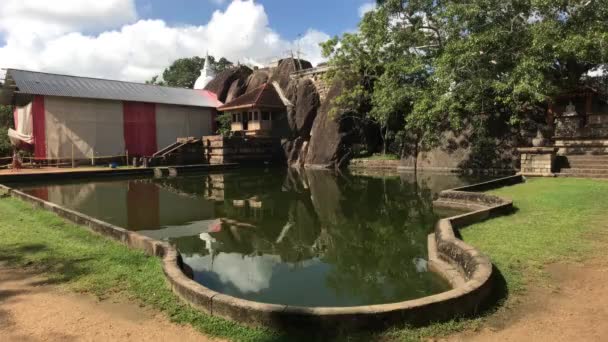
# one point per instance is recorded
(6, 122)
(436, 65)
(385, 64)
(184, 71)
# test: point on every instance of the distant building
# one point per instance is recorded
(59, 116)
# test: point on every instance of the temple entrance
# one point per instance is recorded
(246, 121)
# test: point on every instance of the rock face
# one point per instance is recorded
(237, 89)
(304, 95)
(311, 137)
(257, 78)
(222, 83)
(329, 145)
(281, 74)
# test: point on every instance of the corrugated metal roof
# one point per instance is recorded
(39, 83)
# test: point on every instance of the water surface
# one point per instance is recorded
(309, 238)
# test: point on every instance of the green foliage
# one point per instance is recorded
(425, 66)
(184, 71)
(223, 124)
(6, 122)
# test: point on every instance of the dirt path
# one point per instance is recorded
(30, 310)
(575, 308)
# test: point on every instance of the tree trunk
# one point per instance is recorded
(385, 139)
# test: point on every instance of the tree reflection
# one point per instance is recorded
(371, 231)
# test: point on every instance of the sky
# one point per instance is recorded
(134, 40)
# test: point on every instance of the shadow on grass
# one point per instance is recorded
(57, 269)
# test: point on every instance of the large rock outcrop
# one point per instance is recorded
(308, 101)
(222, 83)
(286, 67)
(257, 79)
(237, 88)
(329, 145)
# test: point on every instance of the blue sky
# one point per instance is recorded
(137, 39)
(288, 17)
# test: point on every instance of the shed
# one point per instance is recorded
(60, 115)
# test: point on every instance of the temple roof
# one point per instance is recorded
(265, 96)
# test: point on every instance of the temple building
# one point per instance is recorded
(207, 75)
(257, 112)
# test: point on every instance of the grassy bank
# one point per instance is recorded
(554, 221)
(78, 260)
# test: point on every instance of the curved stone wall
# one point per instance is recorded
(462, 265)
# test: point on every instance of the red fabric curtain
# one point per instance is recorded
(140, 128)
(39, 126)
(143, 205)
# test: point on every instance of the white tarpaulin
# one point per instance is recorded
(89, 127)
(174, 122)
(23, 132)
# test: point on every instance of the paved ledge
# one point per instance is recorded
(107, 172)
(462, 265)
(374, 164)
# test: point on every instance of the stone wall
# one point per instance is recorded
(537, 161)
(374, 164)
(220, 150)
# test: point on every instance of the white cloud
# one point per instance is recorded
(249, 274)
(50, 38)
(366, 7)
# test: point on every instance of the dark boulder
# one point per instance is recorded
(282, 72)
(330, 143)
(221, 84)
(237, 89)
(306, 100)
(257, 78)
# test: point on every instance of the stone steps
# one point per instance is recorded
(588, 146)
(587, 165)
(586, 171)
(583, 166)
(583, 150)
(582, 175)
(582, 143)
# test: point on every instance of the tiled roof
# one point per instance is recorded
(265, 96)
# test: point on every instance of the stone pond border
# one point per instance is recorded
(467, 270)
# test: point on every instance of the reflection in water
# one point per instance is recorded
(309, 238)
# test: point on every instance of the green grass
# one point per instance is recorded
(380, 156)
(78, 260)
(553, 222)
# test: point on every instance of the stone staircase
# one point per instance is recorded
(583, 165)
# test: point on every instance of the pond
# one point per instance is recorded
(306, 238)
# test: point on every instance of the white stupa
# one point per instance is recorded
(207, 74)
